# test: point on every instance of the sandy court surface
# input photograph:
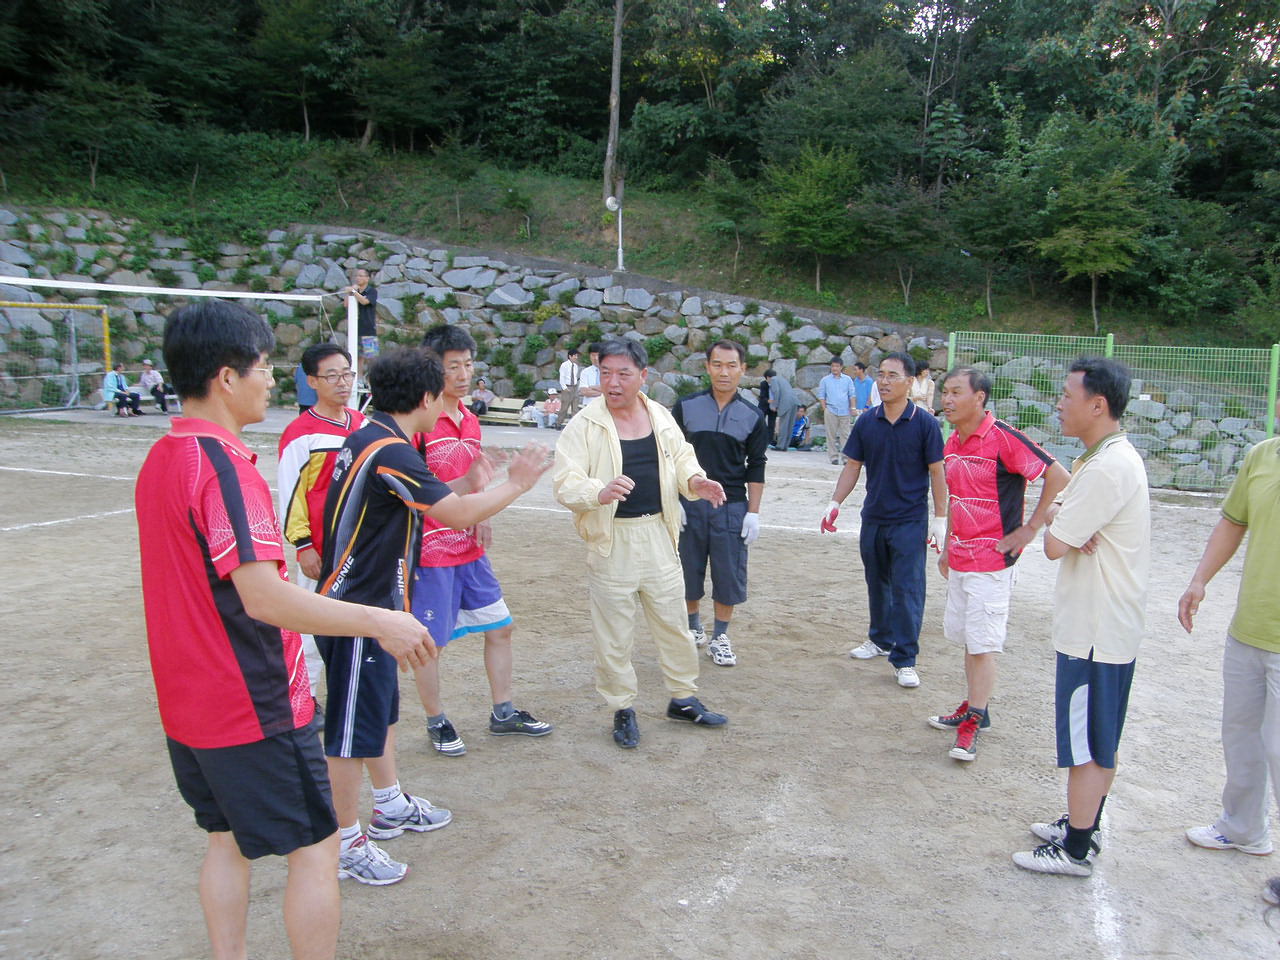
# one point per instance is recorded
(825, 821)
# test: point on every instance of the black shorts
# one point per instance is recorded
(273, 795)
(714, 533)
(363, 696)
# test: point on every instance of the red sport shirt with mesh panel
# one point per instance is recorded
(222, 678)
(987, 476)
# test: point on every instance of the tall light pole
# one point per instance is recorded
(615, 206)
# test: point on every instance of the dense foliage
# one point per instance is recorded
(1125, 146)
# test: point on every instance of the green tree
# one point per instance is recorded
(804, 204)
(1098, 229)
(734, 203)
(290, 47)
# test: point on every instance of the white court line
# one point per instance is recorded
(764, 526)
(54, 523)
(64, 473)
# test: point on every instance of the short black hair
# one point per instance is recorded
(202, 338)
(1106, 378)
(733, 345)
(836, 360)
(922, 365)
(770, 373)
(399, 378)
(573, 351)
(622, 348)
(860, 365)
(979, 382)
(907, 361)
(444, 337)
(317, 353)
(594, 347)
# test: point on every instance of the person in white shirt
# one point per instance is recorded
(152, 382)
(570, 378)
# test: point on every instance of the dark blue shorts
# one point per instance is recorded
(1090, 701)
(714, 533)
(363, 696)
(272, 795)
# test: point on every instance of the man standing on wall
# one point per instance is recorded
(730, 437)
(837, 395)
(988, 465)
(902, 448)
(1100, 528)
(366, 298)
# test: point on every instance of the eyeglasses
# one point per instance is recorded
(890, 377)
(332, 378)
(268, 372)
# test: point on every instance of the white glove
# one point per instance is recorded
(938, 533)
(683, 519)
(750, 528)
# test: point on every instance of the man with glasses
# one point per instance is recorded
(902, 448)
(307, 450)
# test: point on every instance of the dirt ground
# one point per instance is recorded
(825, 821)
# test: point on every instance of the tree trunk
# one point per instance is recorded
(306, 117)
(817, 276)
(93, 167)
(457, 206)
(1093, 300)
(367, 137)
(991, 314)
(737, 252)
(615, 96)
(905, 283)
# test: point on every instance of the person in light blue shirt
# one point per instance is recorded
(116, 389)
(864, 388)
(837, 394)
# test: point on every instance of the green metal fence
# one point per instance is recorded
(1193, 411)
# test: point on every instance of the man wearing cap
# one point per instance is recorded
(152, 382)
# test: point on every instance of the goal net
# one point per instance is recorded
(55, 349)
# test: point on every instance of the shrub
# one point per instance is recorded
(165, 276)
(565, 298)
(205, 273)
(657, 347)
(532, 344)
(545, 312)
(241, 276)
(751, 309)
(521, 385)
(690, 385)
(786, 318)
(786, 348)
(258, 284)
(500, 357)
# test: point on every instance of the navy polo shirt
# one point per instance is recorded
(896, 457)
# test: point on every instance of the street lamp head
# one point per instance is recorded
(612, 204)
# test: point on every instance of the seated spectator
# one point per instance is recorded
(115, 389)
(551, 408)
(800, 438)
(481, 397)
(152, 382)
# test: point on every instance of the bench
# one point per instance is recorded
(503, 412)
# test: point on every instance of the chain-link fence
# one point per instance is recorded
(1193, 412)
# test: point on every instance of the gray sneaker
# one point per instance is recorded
(721, 651)
(1056, 832)
(699, 637)
(867, 651)
(446, 740)
(422, 816)
(366, 862)
(1271, 892)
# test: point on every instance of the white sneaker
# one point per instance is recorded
(1211, 839)
(720, 652)
(907, 677)
(1051, 858)
(699, 638)
(1271, 892)
(867, 651)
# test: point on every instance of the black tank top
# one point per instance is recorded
(640, 463)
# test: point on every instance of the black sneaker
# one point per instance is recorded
(446, 740)
(625, 732)
(695, 712)
(520, 722)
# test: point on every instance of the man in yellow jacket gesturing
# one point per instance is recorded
(621, 465)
